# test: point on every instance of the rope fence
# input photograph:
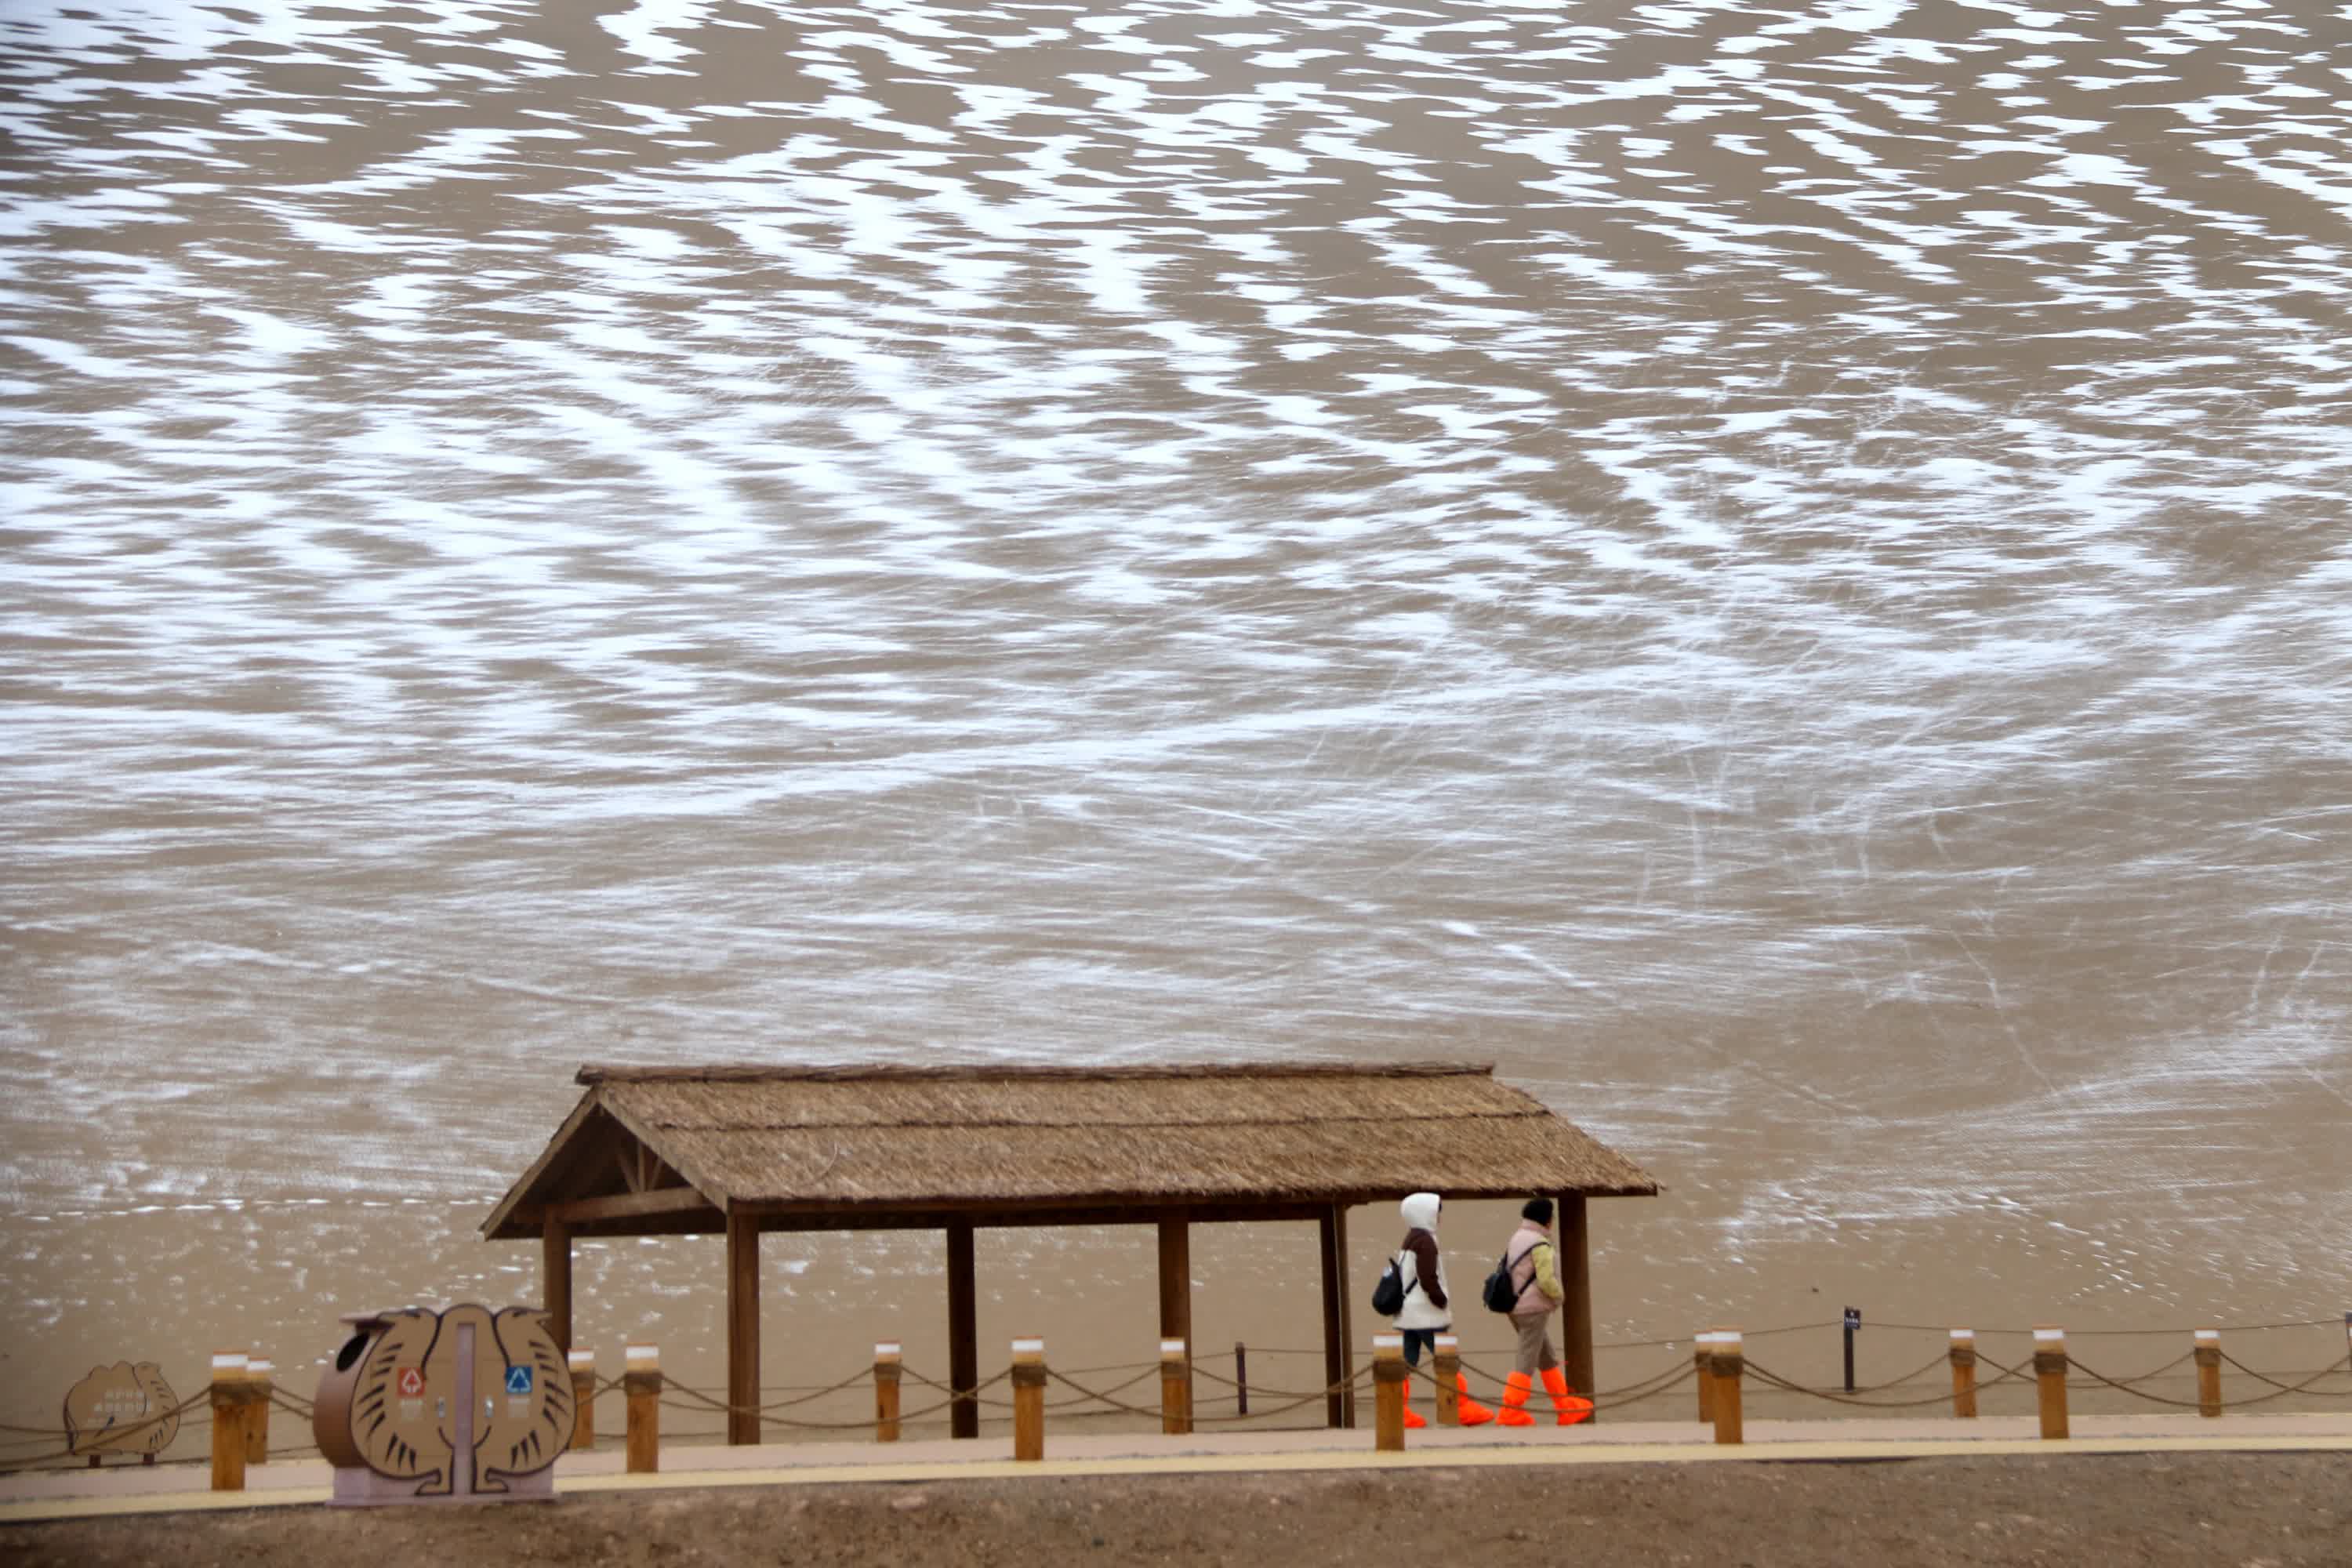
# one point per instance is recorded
(1233, 1400)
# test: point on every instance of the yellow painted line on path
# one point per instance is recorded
(1305, 1461)
(28, 1510)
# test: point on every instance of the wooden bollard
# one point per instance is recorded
(2208, 1343)
(1964, 1373)
(1703, 1357)
(641, 1382)
(1175, 1388)
(229, 1420)
(1446, 1362)
(1028, 1399)
(1389, 1373)
(260, 1375)
(582, 1365)
(1730, 1360)
(2050, 1376)
(887, 1369)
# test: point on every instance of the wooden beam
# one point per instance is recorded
(983, 1216)
(742, 1328)
(629, 1205)
(555, 1280)
(1576, 1288)
(1176, 1291)
(1338, 1357)
(963, 1330)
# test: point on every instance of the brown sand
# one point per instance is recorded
(2251, 1511)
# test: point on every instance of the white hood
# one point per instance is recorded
(1420, 1211)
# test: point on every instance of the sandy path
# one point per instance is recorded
(2249, 1510)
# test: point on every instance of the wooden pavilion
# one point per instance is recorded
(739, 1150)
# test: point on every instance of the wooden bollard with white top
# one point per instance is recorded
(229, 1420)
(641, 1382)
(1702, 1357)
(1028, 1399)
(2050, 1378)
(1730, 1360)
(1389, 1372)
(583, 1367)
(1445, 1361)
(887, 1366)
(2208, 1343)
(1175, 1388)
(260, 1382)
(1964, 1373)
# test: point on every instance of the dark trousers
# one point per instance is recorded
(1414, 1339)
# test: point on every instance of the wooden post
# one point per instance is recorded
(229, 1420)
(1338, 1362)
(641, 1380)
(1241, 1378)
(260, 1384)
(1388, 1387)
(1575, 1254)
(742, 1328)
(1964, 1373)
(555, 1278)
(1028, 1399)
(1703, 1357)
(1175, 1388)
(1730, 1360)
(2050, 1374)
(963, 1332)
(1446, 1363)
(583, 1398)
(1176, 1291)
(886, 1368)
(2208, 1372)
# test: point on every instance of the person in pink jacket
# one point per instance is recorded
(1534, 1263)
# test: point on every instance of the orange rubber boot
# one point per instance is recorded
(1473, 1413)
(1516, 1389)
(1572, 1407)
(1411, 1420)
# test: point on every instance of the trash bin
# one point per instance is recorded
(464, 1405)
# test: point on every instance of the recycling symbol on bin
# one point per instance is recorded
(519, 1380)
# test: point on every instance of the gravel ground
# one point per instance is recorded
(2246, 1511)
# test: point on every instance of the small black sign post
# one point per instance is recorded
(1853, 1324)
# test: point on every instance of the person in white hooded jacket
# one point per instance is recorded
(1428, 1310)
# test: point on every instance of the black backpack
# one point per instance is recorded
(1388, 1296)
(1501, 1294)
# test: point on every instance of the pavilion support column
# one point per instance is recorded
(1576, 1288)
(555, 1280)
(963, 1332)
(743, 1326)
(1176, 1291)
(1338, 1342)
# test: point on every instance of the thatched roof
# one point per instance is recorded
(877, 1140)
